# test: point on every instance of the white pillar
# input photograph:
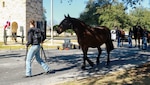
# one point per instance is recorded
(51, 22)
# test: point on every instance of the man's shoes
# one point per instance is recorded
(49, 72)
(28, 76)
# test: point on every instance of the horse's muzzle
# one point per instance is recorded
(59, 30)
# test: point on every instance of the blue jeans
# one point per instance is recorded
(144, 41)
(130, 41)
(34, 51)
(119, 42)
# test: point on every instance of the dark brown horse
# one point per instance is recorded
(122, 36)
(148, 37)
(138, 33)
(88, 37)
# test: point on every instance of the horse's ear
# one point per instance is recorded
(65, 16)
(68, 15)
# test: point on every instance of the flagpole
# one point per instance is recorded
(51, 22)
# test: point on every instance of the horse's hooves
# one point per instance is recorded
(91, 64)
(95, 66)
(83, 68)
(108, 64)
(97, 62)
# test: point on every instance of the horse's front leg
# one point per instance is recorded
(108, 58)
(85, 50)
(99, 53)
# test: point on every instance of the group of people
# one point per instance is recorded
(36, 45)
(130, 34)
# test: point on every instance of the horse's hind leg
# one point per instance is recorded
(138, 42)
(108, 59)
(99, 53)
(122, 41)
(135, 42)
(108, 48)
(84, 57)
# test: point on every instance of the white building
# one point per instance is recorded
(20, 12)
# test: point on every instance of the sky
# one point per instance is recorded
(64, 8)
(145, 4)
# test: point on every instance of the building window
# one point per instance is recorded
(3, 4)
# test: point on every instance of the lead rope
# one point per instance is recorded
(26, 55)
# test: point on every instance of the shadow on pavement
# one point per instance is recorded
(120, 58)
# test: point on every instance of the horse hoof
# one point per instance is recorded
(95, 66)
(97, 62)
(83, 68)
(108, 64)
(92, 65)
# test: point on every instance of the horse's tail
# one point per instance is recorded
(109, 44)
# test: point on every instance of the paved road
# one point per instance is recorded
(66, 64)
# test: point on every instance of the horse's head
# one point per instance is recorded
(64, 25)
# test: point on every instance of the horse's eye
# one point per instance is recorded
(65, 21)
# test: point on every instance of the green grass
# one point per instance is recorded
(19, 47)
(10, 47)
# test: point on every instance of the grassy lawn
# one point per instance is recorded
(134, 76)
(58, 41)
(19, 47)
(46, 45)
(10, 47)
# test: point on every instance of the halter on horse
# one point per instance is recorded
(88, 37)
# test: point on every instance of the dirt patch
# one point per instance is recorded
(134, 76)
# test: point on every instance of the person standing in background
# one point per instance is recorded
(144, 39)
(130, 38)
(118, 34)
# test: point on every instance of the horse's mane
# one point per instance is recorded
(82, 22)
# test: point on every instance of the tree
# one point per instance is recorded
(113, 16)
(127, 3)
(44, 11)
(90, 11)
(140, 16)
(55, 27)
(100, 14)
(108, 12)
